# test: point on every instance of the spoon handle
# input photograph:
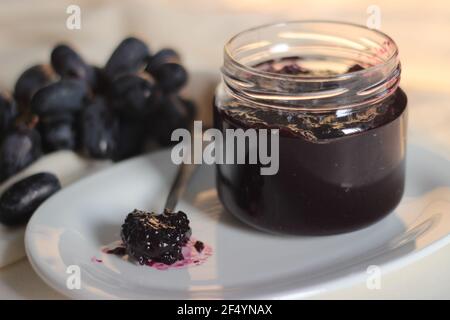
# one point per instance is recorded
(178, 187)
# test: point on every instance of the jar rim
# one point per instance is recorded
(342, 42)
(307, 78)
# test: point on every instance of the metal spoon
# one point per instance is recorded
(184, 173)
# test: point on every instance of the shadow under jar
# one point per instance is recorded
(332, 90)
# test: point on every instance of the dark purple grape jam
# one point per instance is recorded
(150, 237)
(333, 177)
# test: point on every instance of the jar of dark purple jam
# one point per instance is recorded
(332, 90)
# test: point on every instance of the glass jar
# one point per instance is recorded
(332, 90)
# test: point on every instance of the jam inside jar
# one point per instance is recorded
(332, 90)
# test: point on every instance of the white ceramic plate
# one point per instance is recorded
(71, 227)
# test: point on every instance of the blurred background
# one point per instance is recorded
(198, 29)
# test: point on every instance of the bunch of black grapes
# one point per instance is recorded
(113, 112)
